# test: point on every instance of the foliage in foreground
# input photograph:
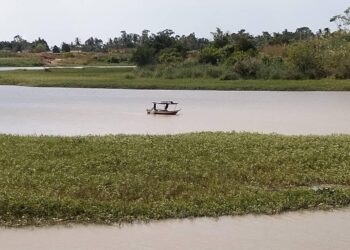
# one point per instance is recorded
(121, 178)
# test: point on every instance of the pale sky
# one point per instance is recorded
(63, 20)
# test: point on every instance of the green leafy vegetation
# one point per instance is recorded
(196, 77)
(20, 62)
(123, 178)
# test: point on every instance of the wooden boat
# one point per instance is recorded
(161, 108)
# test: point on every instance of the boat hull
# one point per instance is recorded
(162, 112)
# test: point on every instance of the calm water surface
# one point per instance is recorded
(291, 231)
(60, 111)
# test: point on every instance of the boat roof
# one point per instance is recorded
(166, 102)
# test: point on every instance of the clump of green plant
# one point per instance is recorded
(122, 178)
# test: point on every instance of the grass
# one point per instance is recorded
(126, 78)
(112, 179)
(19, 62)
(10, 59)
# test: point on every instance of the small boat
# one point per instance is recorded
(161, 108)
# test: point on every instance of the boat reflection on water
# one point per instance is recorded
(162, 108)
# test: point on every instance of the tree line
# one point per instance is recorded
(288, 54)
(168, 39)
(161, 40)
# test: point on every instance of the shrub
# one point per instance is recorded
(337, 55)
(247, 68)
(214, 72)
(39, 48)
(144, 56)
(229, 76)
(113, 60)
(272, 68)
(210, 55)
(236, 57)
(169, 56)
(306, 58)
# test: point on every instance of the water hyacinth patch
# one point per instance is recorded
(112, 179)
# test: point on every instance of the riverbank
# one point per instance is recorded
(27, 59)
(112, 179)
(125, 78)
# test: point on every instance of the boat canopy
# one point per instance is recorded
(166, 102)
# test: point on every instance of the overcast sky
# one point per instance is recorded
(63, 20)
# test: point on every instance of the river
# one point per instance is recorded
(290, 231)
(67, 111)
(63, 111)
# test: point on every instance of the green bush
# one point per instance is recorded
(247, 68)
(210, 55)
(144, 56)
(237, 57)
(229, 76)
(113, 60)
(336, 54)
(272, 68)
(39, 48)
(306, 57)
(169, 56)
(214, 72)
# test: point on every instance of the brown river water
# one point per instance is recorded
(290, 231)
(59, 111)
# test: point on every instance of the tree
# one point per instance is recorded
(93, 44)
(243, 41)
(303, 33)
(19, 44)
(144, 37)
(65, 47)
(144, 55)
(263, 39)
(162, 40)
(77, 42)
(191, 42)
(342, 21)
(55, 49)
(40, 45)
(221, 39)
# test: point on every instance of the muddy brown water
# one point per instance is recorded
(290, 231)
(60, 111)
